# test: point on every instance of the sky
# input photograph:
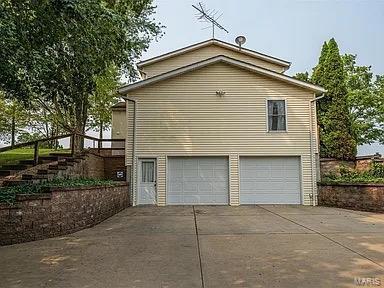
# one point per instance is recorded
(291, 30)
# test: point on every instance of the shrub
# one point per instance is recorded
(8, 194)
(374, 175)
(377, 169)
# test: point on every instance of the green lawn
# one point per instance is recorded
(13, 156)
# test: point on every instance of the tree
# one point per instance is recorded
(318, 78)
(378, 90)
(13, 120)
(364, 102)
(336, 133)
(52, 51)
(102, 100)
(303, 76)
(43, 124)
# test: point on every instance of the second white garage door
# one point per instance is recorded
(197, 180)
(270, 180)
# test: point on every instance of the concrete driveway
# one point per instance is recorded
(207, 246)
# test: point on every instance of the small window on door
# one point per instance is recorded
(277, 118)
(147, 172)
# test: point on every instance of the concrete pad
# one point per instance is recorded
(368, 214)
(339, 223)
(250, 247)
(262, 223)
(281, 260)
(139, 225)
(304, 210)
(79, 262)
(156, 210)
(370, 245)
(230, 210)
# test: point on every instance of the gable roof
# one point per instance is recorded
(225, 59)
(119, 105)
(219, 43)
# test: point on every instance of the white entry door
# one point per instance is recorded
(147, 181)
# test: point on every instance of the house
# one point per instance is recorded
(213, 123)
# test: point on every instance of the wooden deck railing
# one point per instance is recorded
(36, 143)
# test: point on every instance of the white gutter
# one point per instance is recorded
(311, 147)
(133, 143)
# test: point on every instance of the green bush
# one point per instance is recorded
(374, 175)
(377, 169)
(8, 194)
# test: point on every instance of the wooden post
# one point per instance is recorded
(72, 144)
(98, 146)
(36, 153)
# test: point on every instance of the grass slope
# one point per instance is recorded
(13, 156)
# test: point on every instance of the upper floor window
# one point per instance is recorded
(277, 118)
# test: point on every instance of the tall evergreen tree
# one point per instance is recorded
(318, 78)
(304, 76)
(336, 135)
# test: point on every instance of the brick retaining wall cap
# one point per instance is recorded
(27, 197)
(352, 184)
(93, 187)
(6, 206)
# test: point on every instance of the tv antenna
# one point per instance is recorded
(209, 16)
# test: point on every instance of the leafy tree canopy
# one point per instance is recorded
(13, 120)
(102, 100)
(53, 50)
(365, 101)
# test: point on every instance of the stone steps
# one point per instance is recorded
(57, 162)
(4, 173)
(27, 162)
(35, 177)
(57, 167)
(46, 172)
(47, 159)
(8, 183)
(15, 167)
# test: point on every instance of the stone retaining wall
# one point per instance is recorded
(365, 197)
(59, 212)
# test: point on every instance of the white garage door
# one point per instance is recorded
(197, 180)
(270, 180)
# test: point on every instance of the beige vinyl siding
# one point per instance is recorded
(184, 116)
(315, 152)
(129, 135)
(234, 199)
(161, 180)
(201, 54)
(119, 127)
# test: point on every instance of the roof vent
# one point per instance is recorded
(240, 40)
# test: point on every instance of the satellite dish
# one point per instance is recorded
(240, 40)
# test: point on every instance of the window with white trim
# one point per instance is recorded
(277, 118)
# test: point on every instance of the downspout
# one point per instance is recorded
(311, 146)
(133, 141)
